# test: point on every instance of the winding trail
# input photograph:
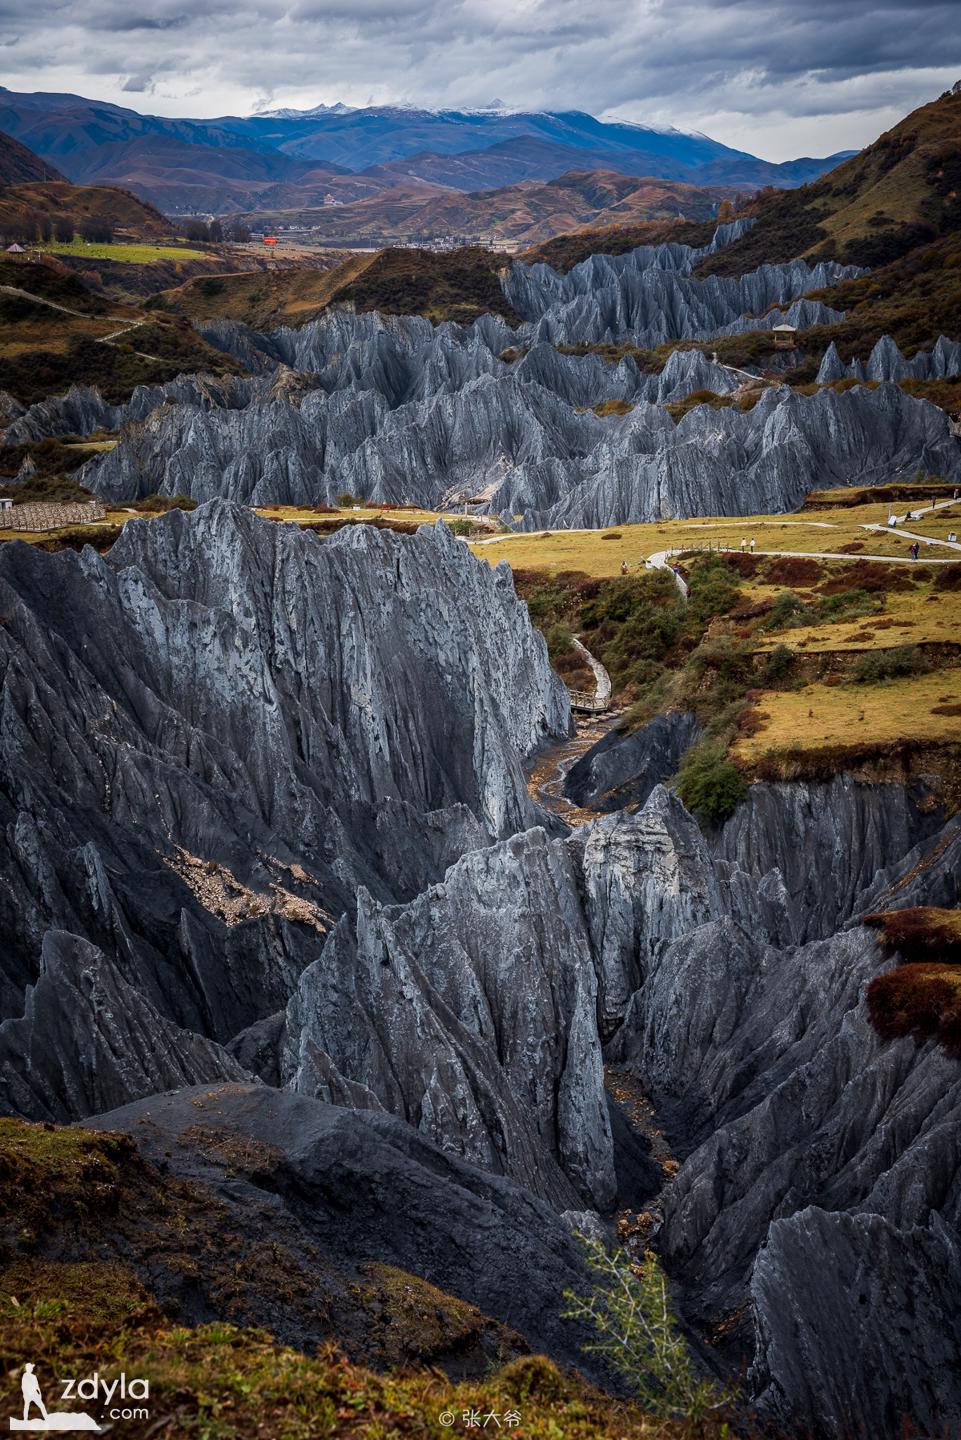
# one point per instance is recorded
(125, 323)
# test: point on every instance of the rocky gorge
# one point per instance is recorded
(268, 834)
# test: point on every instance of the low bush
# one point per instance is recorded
(778, 666)
(712, 588)
(709, 784)
(922, 1000)
(877, 666)
(160, 504)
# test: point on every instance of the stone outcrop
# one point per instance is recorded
(88, 1041)
(941, 362)
(331, 1195)
(213, 734)
(83, 410)
(471, 1013)
(840, 1358)
(622, 770)
(650, 296)
(522, 448)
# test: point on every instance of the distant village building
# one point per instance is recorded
(784, 336)
(15, 249)
(38, 516)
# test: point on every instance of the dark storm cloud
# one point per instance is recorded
(819, 75)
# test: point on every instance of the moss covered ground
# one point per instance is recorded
(74, 1305)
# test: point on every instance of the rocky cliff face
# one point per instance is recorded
(649, 296)
(212, 736)
(622, 770)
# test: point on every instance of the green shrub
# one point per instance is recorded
(712, 588)
(876, 666)
(638, 1334)
(345, 499)
(779, 665)
(708, 783)
(788, 609)
(559, 639)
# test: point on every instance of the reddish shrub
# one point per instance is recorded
(872, 576)
(746, 565)
(948, 577)
(922, 932)
(793, 570)
(752, 720)
(917, 1000)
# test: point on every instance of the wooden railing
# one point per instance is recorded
(586, 700)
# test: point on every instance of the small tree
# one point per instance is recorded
(64, 229)
(345, 499)
(638, 1335)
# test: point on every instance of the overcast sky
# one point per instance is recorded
(780, 78)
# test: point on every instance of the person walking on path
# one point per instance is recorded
(623, 567)
(743, 543)
(753, 542)
(915, 550)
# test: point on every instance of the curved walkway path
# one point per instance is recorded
(825, 554)
(601, 699)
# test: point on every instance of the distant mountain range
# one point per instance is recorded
(290, 158)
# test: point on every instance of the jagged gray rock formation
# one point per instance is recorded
(886, 362)
(476, 1022)
(213, 734)
(773, 1084)
(650, 296)
(843, 1356)
(83, 410)
(88, 1041)
(174, 773)
(479, 1019)
(728, 462)
(811, 852)
(524, 449)
(428, 1009)
(622, 770)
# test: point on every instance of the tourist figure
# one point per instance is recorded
(623, 567)
(752, 544)
(743, 543)
(915, 550)
(30, 1388)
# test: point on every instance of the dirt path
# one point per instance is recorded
(545, 781)
(111, 339)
